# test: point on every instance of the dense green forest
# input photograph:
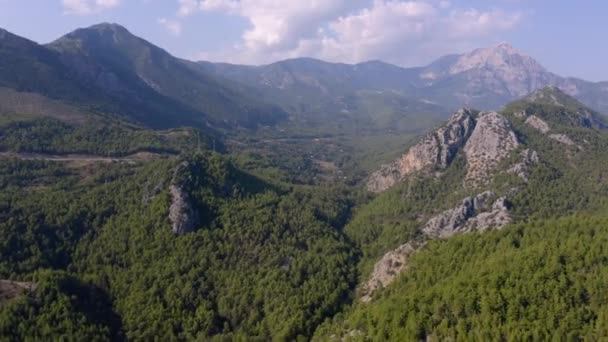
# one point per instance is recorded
(46, 135)
(263, 253)
(285, 235)
(144, 197)
(544, 280)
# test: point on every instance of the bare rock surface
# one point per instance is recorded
(12, 289)
(475, 214)
(529, 158)
(435, 151)
(478, 213)
(492, 141)
(538, 123)
(387, 269)
(181, 213)
(562, 138)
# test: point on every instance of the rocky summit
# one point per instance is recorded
(485, 139)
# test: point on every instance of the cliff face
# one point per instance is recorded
(181, 212)
(492, 141)
(435, 152)
(474, 214)
(499, 151)
(486, 139)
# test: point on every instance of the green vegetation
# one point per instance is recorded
(536, 281)
(285, 233)
(60, 307)
(46, 135)
(266, 262)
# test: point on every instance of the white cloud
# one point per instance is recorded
(173, 26)
(85, 7)
(402, 32)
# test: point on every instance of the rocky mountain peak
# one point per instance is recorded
(501, 57)
(434, 152)
(104, 34)
(499, 71)
(484, 138)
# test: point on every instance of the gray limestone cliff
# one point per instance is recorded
(182, 214)
(492, 141)
(475, 214)
(435, 152)
(478, 213)
(486, 139)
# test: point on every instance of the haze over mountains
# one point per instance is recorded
(109, 71)
(146, 197)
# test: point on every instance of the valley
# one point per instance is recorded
(147, 197)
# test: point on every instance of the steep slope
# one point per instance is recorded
(258, 262)
(26, 66)
(491, 77)
(132, 69)
(414, 240)
(481, 170)
(553, 105)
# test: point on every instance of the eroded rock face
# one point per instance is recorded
(435, 151)
(475, 214)
(529, 158)
(387, 269)
(585, 120)
(562, 138)
(487, 140)
(478, 213)
(181, 213)
(538, 123)
(492, 141)
(12, 289)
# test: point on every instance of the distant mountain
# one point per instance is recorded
(484, 78)
(135, 70)
(319, 93)
(491, 77)
(106, 71)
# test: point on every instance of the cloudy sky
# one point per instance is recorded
(568, 37)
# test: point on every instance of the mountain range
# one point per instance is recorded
(106, 70)
(147, 197)
(484, 78)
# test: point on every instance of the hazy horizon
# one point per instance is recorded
(404, 33)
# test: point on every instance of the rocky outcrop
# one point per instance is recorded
(181, 213)
(562, 138)
(538, 123)
(387, 269)
(541, 125)
(475, 214)
(572, 112)
(492, 141)
(478, 213)
(529, 158)
(435, 151)
(487, 139)
(12, 289)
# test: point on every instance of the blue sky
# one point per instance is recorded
(567, 37)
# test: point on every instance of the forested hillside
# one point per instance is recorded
(264, 262)
(144, 197)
